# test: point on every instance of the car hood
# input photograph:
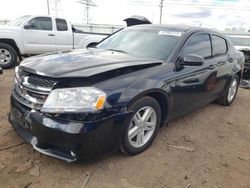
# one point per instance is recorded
(83, 63)
(9, 28)
(246, 48)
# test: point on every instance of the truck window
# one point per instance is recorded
(61, 25)
(40, 23)
(219, 45)
(199, 45)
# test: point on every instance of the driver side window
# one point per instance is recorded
(40, 23)
(199, 45)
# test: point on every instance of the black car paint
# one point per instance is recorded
(179, 89)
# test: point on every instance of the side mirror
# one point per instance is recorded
(192, 60)
(29, 25)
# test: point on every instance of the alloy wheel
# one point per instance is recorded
(142, 126)
(232, 90)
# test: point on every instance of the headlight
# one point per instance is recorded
(80, 99)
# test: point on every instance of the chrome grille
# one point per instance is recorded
(32, 90)
(41, 82)
(25, 101)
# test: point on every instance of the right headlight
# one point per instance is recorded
(78, 99)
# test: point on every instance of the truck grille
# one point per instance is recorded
(32, 90)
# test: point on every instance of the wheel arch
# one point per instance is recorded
(161, 97)
(13, 44)
(239, 73)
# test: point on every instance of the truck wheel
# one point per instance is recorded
(8, 55)
(142, 129)
(231, 92)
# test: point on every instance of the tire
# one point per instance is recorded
(231, 92)
(144, 132)
(8, 56)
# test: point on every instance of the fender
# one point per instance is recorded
(146, 87)
(13, 36)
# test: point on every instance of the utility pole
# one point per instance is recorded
(48, 7)
(88, 4)
(161, 7)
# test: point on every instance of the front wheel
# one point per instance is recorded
(143, 127)
(231, 92)
(8, 55)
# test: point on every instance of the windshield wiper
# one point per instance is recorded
(117, 50)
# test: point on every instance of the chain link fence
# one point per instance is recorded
(96, 28)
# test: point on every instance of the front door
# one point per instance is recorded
(194, 84)
(38, 36)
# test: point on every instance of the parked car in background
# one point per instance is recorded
(82, 104)
(31, 35)
(242, 43)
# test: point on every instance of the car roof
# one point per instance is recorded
(181, 28)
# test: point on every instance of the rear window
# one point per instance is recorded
(61, 25)
(219, 45)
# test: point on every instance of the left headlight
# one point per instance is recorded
(79, 99)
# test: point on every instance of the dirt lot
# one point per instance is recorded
(215, 152)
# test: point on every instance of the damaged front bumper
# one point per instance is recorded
(68, 140)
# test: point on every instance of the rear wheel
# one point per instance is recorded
(143, 127)
(231, 92)
(8, 55)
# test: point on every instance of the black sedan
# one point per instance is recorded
(82, 104)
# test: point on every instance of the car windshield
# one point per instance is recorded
(240, 40)
(141, 42)
(18, 21)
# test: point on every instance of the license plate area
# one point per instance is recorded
(22, 118)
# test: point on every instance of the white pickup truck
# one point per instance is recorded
(31, 35)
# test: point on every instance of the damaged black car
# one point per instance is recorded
(79, 105)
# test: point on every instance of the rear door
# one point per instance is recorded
(194, 84)
(224, 62)
(64, 35)
(39, 36)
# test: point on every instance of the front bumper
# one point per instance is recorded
(68, 140)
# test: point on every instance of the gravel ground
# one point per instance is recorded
(207, 148)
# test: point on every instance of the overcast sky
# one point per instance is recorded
(218, 14)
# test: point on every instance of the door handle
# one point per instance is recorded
(51, 35)
(211, 67)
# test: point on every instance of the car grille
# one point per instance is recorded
(32, 90)
(41, 82)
